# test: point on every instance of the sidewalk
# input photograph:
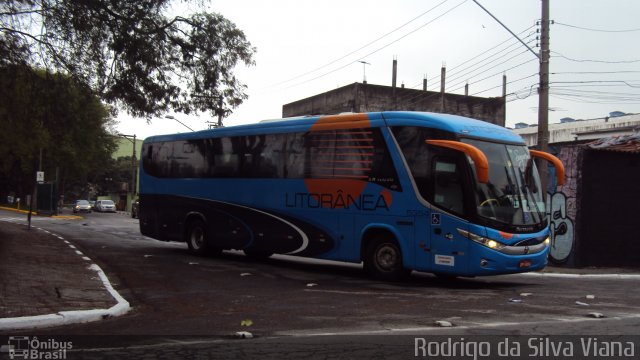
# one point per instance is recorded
(45, 281)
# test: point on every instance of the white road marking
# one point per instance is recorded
(435, 329)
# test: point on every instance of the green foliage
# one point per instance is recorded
(52, 113)
(130, 53)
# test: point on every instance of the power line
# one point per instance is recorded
(528, 90)
(506, 28)
(596, 72)
(597, 82)
(498, 73)
(598, 30)
(474, 57)
(456, 75)
(605, 102)
(451, 72)
(412, 97)
(509, 82)
(383, 47)
(454, 83)
(360, 48)
(596, 61)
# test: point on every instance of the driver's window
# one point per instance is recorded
(447, 183)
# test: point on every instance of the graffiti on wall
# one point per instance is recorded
(562, 229)
(561, 205)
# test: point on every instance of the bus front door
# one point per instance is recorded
(448, 246)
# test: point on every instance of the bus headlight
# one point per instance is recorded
(490, 243)
(547, 241)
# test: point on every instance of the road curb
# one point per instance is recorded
(72, 316)
(17, 210)
(584, 276)
(68, 217)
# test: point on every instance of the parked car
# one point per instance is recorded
(105, 205)
(135, 207)
(81, 206)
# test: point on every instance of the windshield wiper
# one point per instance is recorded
(529, 193)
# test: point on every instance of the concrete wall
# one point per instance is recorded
(594, 214)
(562, 202)
(583, 129)
(367, 97)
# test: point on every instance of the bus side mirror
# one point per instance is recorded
(552, 159)
(479, 158)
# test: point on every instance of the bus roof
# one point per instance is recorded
(453, 123)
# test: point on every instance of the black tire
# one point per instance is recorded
(257, 254)
(197, 239)
(383, 260)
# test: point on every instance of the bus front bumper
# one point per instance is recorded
(486, 261)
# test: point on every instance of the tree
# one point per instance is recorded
(130, 53)
(50, 114)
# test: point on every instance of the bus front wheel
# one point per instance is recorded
(383, 260)
(197, 239)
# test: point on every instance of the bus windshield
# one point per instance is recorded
(513, 194)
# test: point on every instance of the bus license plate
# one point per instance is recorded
(524, 264)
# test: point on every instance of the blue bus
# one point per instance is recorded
(398, 191)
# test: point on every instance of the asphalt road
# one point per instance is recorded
(178, 298)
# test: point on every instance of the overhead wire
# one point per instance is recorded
(383, 47)
(509, 82)
(597, 30)
(412, 97)
(513, 96)
(360, 48)
(596, 72)
(509, 39)
(456, 83)
(502, 71)
(595, 61)
(453, 75)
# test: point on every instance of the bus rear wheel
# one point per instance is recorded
(383, 260)
(197, 239)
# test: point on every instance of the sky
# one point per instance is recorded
(307, 47)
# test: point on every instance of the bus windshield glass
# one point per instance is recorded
(513, 194)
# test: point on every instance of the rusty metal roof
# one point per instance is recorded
(623, 143)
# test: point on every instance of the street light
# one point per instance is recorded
(173, 118)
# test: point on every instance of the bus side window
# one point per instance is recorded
(263, 156)
(294, 156)
(447, 185)
(224, 157)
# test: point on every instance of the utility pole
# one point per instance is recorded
(220, 111)
(134, 168)
(543, 91)
(443, 76)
